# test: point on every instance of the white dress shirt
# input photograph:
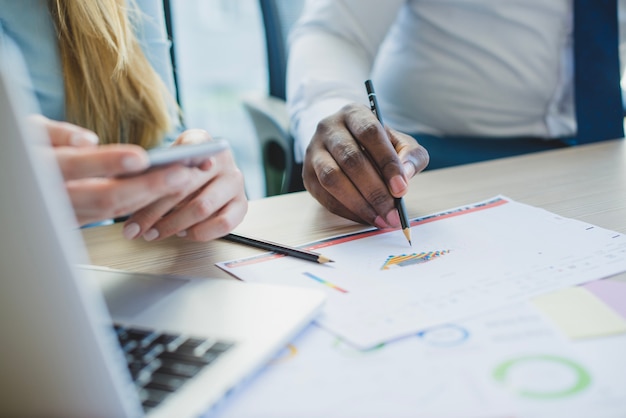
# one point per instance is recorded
(488, 68)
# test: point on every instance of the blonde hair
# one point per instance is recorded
(110, 87)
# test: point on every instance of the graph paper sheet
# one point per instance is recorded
(464, 261)
(509, 362)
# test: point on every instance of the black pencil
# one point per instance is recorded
(278, 248)
(399, 202)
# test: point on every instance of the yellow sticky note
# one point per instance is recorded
(580, 314)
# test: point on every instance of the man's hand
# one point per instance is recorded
(355, 167)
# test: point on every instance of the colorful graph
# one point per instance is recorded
(410, 259)
(447, 335)
(520, 376)
(325, 282)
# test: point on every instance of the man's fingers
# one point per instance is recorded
(361, 151)
(326, 180)
(414, 157)
(374, 139)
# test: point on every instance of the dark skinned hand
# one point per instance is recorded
(355, 167)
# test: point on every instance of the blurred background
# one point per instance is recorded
(220, 54)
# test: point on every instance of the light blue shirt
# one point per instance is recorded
(26, 27)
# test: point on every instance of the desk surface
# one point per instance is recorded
(585, 182)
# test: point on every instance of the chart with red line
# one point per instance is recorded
(464, 261)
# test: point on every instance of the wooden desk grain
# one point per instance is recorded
(585, 182)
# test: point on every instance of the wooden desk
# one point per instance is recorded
(585, 182)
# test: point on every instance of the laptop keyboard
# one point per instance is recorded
(161, 363)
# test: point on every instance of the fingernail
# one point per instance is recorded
(83, 138)
(380, 223)
(92, 137)
(132, 163)
(182, 233)
(393, 218)
(398, 185)
(131, 231)
(206, 166)
(409, 169)
(152, 234)
(177, 177)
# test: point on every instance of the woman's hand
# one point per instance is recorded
(104, 182)
(109, 181)
(209, 204)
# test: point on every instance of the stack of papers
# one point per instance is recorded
(498, 309)
(463, 262)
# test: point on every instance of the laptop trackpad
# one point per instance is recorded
(127, 294)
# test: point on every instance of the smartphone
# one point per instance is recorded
(190, 155)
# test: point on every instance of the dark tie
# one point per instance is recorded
(599, 109)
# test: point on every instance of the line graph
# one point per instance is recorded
(404, 260)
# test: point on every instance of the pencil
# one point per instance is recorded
(399, 202)
(278, 248)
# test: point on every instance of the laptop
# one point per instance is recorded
(92, 342)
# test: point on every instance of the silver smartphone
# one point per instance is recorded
(190, 155)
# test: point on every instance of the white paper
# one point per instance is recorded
(508, 363)
(463, 262)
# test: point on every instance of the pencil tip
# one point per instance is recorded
(407, 234)
(321, 259)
